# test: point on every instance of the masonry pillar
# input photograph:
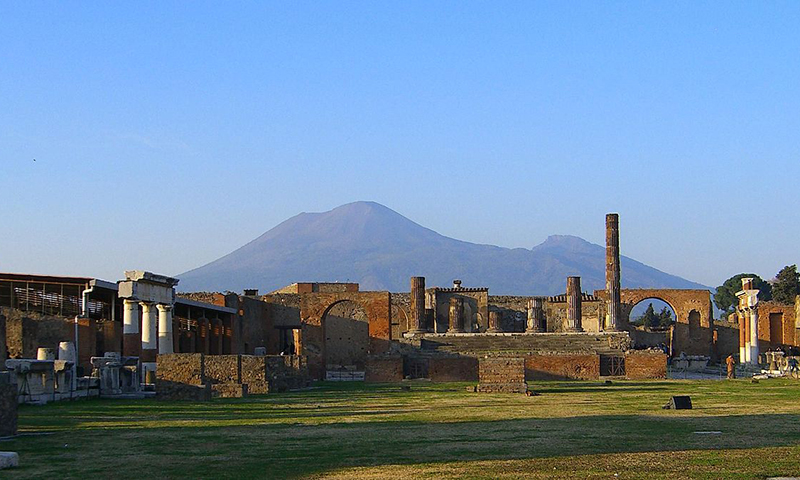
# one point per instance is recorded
(165, 343)
(535, 315)
(417, 306)
(494, 322)
(574, 305)
(612, 272)
(205, 346)
(131, 340)
(149, 338)
(456, 315)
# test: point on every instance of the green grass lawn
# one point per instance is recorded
(572, 429)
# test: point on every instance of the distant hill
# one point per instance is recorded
(377, 247)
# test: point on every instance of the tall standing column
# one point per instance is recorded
(456, 315)
(612, 272)
(165, 344)
(742, 342)
(574, 304)
(494, 322)
(535, 315)
(417, 306)
(754, 335)
(149, 341)
(131, 340)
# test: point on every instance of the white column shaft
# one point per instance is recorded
(754, 335)
(165, 329)
(130, 317)
(149, 327)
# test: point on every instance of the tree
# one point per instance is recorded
(649, 319)
(786, 285)
(725, 298)
(665, 318)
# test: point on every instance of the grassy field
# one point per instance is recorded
(575, 429)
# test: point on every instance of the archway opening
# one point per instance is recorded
(652, 314)
(346, 330)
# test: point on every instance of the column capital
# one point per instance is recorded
(130, 301)
(164, 307)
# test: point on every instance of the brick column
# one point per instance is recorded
(612, 272)
(456, 315)
(574, 305)
(417, 306)
(131, 339)
(535, 315)
(494, 322)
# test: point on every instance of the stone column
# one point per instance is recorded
(456, 315)
(494, 322)
(149, 338)
(742, 343)
(131, 340)
(612, 272)
(574, 304)
(417, 306)
(165, 344)
(754, 335)
(535, 315)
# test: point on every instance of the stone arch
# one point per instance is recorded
(345, 329)
(698, 341)
(314, 306)
(627, 307)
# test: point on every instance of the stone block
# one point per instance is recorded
(502, 387)
(188, 368)
(223, 368)
(168, 390)
(8, 460)
(384, 369)
(8, 405)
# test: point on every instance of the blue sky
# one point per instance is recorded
(167, 134)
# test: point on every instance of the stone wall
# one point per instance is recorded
(592, 311)
(765, 334)
(223, 368)
(181, 376)
(384, 369)
(645, 364)
(27, 331)
(8, 405)
(562, 367)
(513, 309)
(401, 314)
(254, 374)
(453, 369)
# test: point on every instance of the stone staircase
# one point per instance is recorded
(601, 343)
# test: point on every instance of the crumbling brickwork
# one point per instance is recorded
(562, 367)
(501, 375)
(645, 364)
(384, 369)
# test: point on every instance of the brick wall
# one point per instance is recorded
(501, 370)
(3, 349)
(453, 369)
(384, 369)
(640, 365)
(562, 367)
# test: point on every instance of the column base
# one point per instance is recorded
(148, 372)
(453, 330)
(494, 330)
(417, 331)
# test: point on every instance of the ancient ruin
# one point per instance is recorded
(139, 337)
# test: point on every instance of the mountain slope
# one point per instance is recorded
(377, 247)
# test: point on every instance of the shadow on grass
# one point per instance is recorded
(295, 450)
